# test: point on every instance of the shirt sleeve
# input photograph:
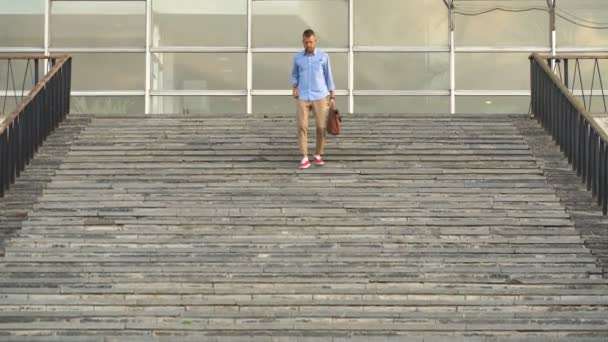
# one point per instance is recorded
(295, 75)
(329, 79)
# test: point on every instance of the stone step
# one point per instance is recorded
(183, 227)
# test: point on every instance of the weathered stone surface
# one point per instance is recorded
(418, 228)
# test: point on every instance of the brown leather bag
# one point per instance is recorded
(334, 121)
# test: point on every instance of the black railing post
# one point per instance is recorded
(12, 153)
(36, 70)
(2, 163)
(605, 184)
(591, 153)
(30, 124)
(601, 173)
(566, 73)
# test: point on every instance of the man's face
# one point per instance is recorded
(309, 43)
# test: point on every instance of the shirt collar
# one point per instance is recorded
(314, 52)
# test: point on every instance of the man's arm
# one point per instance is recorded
(329, 81)
(295, 77)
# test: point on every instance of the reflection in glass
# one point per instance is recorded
(502, 28)
(98, 24)
(22, 23)
(402, 71)
(281, 22)
(492, 104)
(400, 23)
(593, 13)
(108, 71)
(107, 105)
(199, 23)
(273, 70)
(594, 104)
(199, 104)
(287, 104)
(199, 71)
(402, 104)
(492, 71)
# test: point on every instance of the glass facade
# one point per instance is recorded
(234, 56)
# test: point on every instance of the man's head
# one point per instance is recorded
(309, 40)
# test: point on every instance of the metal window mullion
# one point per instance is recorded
(412, 49)
(387, 92)
(198, 49)
(465, 92)
(108, 93)
(22, 50)
(553, 27)
(287, 92)
(148, 77)
(249, 57)
(279, 49)
(198, 93)
(47, 33)
(98, 50)
(451, 26)
(452, 74)
(581, 50)
(351, 57)
(499, 49)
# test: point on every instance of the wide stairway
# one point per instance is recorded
(190, 228)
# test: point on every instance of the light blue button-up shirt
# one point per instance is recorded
(312, 74)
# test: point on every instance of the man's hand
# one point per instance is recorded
(332, 103)
(295, 93)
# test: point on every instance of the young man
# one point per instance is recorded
(312, 82)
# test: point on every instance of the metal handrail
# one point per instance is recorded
(26, 128)
(540, 58)
(61, 60)
(580, 137)
(559, 60)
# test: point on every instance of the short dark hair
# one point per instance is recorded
(308, 33)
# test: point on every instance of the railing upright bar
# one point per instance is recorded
(582, 140)
(26, 128)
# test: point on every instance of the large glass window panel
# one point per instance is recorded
(107, 105)
(199, 71)
(281, 22)
(402, 71)
(281, 104)
(273, 70)
(199, 104)
(22, 23)
(108, 71)
(98, 24)
(502, 28)
(199, 23)
(400, 23)
(492, 104)
(9, 103)
(492, 71)
(594, 104)
(592, 13)
(402, 104)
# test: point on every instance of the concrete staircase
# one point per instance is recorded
(186, 228)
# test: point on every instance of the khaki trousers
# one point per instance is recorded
(321, 108)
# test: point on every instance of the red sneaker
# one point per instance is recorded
(319, 161)
(305, 163)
